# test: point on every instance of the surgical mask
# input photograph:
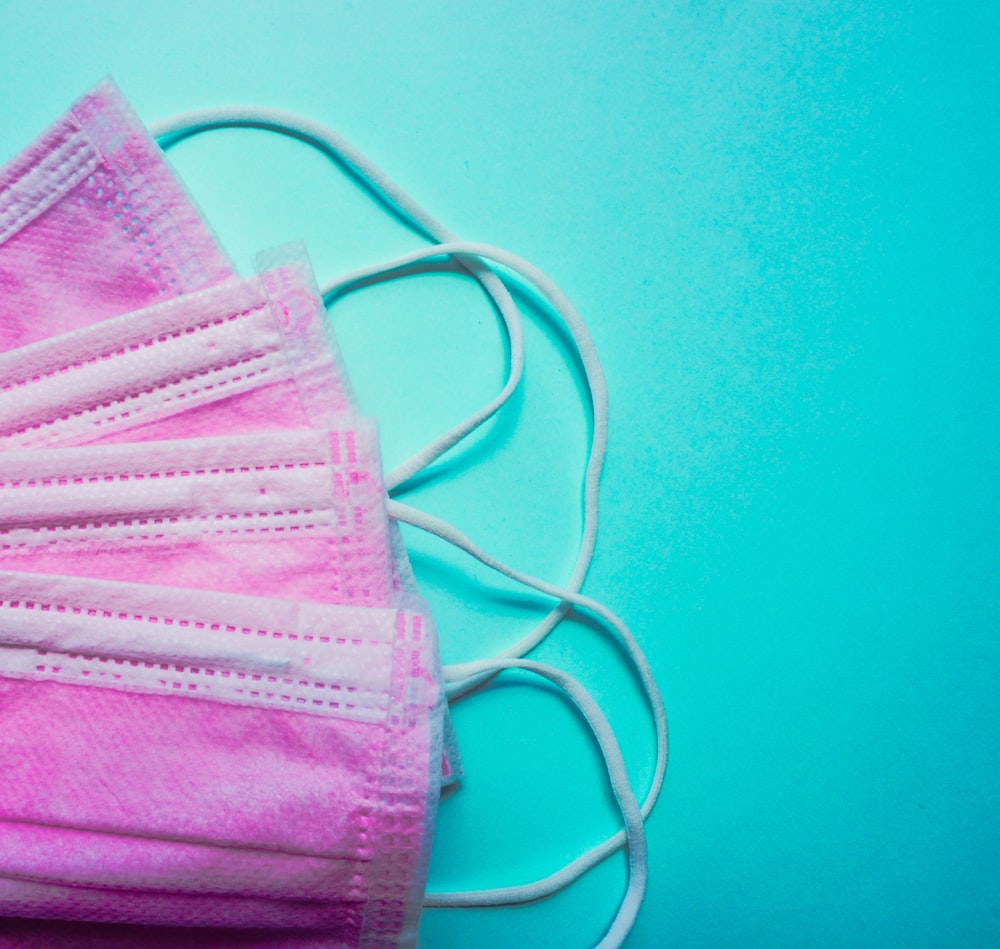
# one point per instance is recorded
(298, 514)
(65, 393)
(468, 672)
(248, 355)
(156, 514)
(166, 511)
(305, 820)
(94, 223)
(272, 764)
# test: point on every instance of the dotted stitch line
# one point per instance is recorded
(146, 185)
(197, 670)
(121, 416)
(206, 688)
(134, 229)
(182, 622)
(395, 825)
(157, 237)
(79, 529)
(115, 133)
(63, 176)
(159, 223)
(90, 478)
(133, 347)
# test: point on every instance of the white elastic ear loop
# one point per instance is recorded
(515, 335)
(334, 145)
(561, 878)
(597, 387)
(634, 832)
(378, 183)
(372, 177)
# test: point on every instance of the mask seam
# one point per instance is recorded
(128, 617)
(314, 355)
(361, 880)
(187, 689)
(146, 343)
(153, 403)
(62, 481)
(385, 908)
(155, 228)
(166, 230)
(132, 616)
(376, 787)
(65, 175)
(177, 522)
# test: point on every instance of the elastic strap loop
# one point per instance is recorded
(376, 182)
(469, 256)
(466, 250)
(634, 832)
(477, 671)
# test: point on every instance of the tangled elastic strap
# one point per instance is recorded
(463, 677)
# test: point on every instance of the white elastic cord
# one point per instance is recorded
(376, 181)
(569, 873)
(594, 374)
(634, 832)
(515, 334)
(467, 252)
(388, 192)
(470, 674)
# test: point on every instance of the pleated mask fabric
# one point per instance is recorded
(189, 765)
(94, 223)
(299, 513)
(216, 760)
(247, 355)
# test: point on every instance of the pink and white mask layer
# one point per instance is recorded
(153, 512)
(177, 757)
(93, 223)
(250, 355)
(298, 514)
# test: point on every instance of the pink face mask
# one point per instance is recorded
(272, 764)
(296, 514)
(94, 223)
(309, 523)
(248, 355)
(383, 920)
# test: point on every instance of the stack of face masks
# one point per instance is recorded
(223, 718)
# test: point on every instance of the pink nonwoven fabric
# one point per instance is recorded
(298, 514)
(247, 355)
(93, 223)
(134, 807)
(206, 805)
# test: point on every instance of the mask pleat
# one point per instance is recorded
(222, 704)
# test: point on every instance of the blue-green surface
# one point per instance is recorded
(780, 223)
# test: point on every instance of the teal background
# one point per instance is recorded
(779, 221)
